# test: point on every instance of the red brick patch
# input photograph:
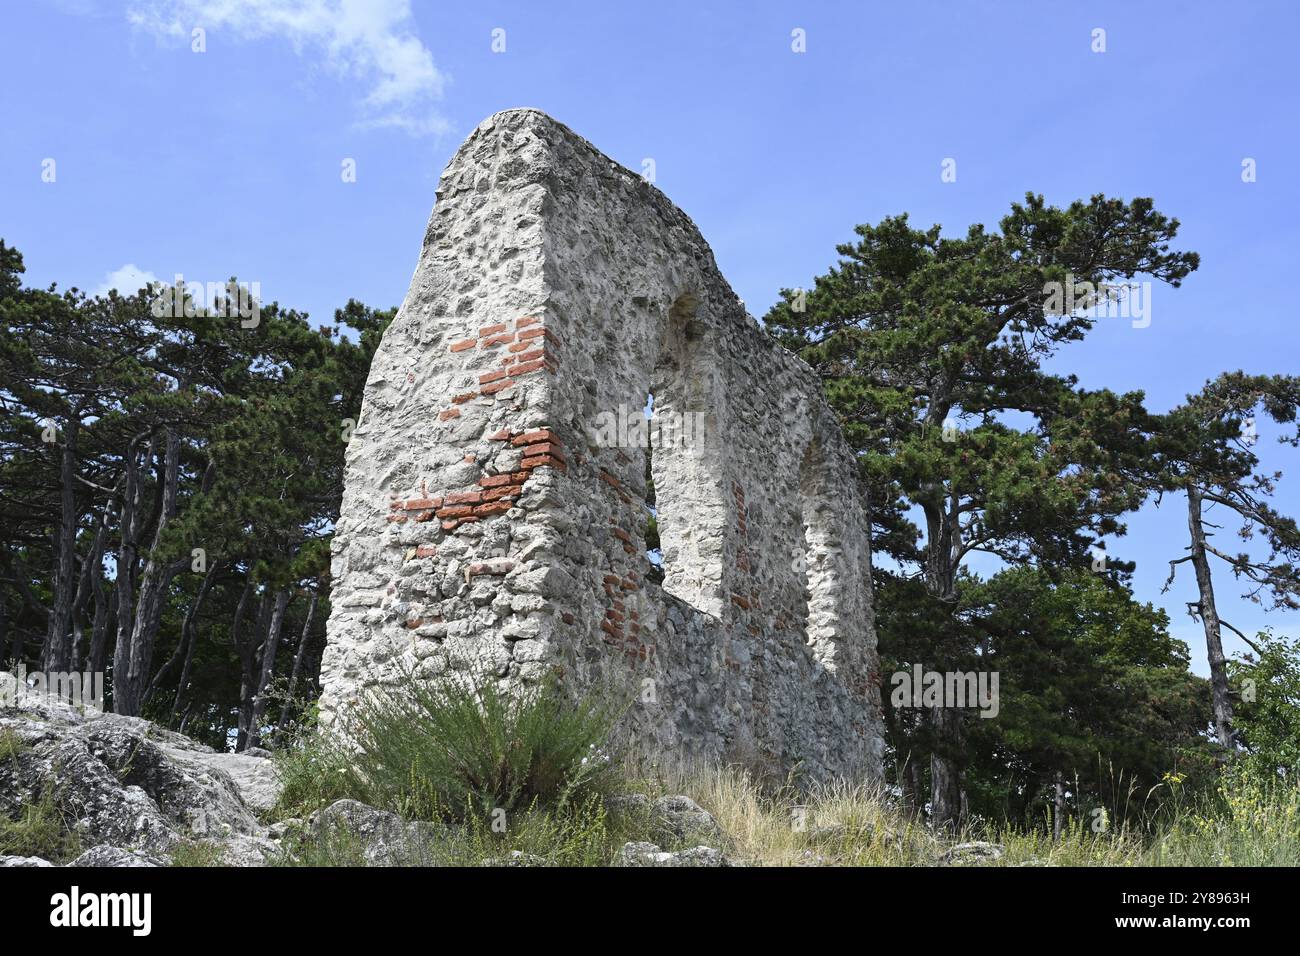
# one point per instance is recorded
(464, 498)
(535, 436)
(542, 461)
(544, 448)
(421, 504)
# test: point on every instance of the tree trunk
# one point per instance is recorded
(56, 654)
(124, 585)
(129, 683)
(297, 663)
(270, 647)
(942, 550)
(247, 650)
(1220, 697)
(105, 611)
(1058, 808)
(92, 569)
(11, 661)
(945, 769)
(184, 647)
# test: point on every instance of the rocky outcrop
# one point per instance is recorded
(127, 786)
(648, 854)
(376, 837)
(681, 818)
(105, 855)
(133, 794)
(976, 853)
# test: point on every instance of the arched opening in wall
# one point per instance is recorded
(684, 458)
(822, 554)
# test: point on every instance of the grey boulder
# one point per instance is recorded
(648, 854)
(679, 817)
(377, 837)
(114, 856)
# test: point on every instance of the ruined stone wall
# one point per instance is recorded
(494, 511)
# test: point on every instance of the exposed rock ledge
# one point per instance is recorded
(133, 793)
(130, 791)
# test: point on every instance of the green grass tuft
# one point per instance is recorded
(11, 745)
(40, 831)
(449, 750)
(198, 853)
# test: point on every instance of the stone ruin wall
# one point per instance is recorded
(492, 521)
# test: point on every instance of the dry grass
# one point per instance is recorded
(1245, 823)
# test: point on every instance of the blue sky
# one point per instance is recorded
(228, 161)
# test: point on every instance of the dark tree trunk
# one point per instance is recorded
(247, 662)
(945, 768)
(56, 654)
(270, 647)
(297, 663)
(1058, 808)
(92, 570)
(105, 610)
(1220, 696)
(942, 555)
(912, 786)
(124, 585)
(184, 647)
(132, 664)
(12, 659)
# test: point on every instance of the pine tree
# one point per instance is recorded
(931, 350)
(1205, 448)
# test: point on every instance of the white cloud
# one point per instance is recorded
(372, 40)
(127, 280)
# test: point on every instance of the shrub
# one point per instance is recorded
(1253, 819)
(313, 772)
(449, 748)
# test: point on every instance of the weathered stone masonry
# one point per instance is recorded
(492, 520)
